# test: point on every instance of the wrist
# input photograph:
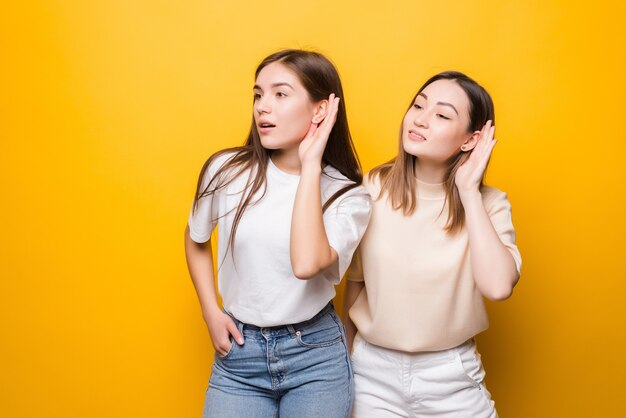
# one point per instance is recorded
(311, 169)
(209, 312)
(470, 195)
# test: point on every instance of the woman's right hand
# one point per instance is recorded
(221, 327)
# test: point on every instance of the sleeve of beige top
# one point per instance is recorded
(499, 210)
(355, 270)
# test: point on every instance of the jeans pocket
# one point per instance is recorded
(323, 333)
(229, 352)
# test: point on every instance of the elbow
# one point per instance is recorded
(308, 267)
(305, 269)
(499, 285)
(499, 294)
(305, 272)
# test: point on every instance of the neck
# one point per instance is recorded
(287, 160)
(430, 171)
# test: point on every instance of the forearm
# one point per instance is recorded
(493, 265)
(309, 248)
(352, 292)
(200, 265)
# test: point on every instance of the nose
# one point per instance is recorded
(421, 119)
(262, 105)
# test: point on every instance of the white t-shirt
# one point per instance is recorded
(256, 280)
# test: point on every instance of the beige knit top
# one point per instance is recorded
(419, 292)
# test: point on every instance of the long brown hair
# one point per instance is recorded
(398, 178)
(320, 78)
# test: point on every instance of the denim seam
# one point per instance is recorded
(342, 332)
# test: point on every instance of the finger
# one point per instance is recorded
(487, 133)
(487, 136)
(492, 132)
(336, 109)
(232, 329)
(329, 109)
(492, 145)
(222, 347)
(488, 151)
(331, 116)
(334, 104)
(487, 129)
(311, 130)
(490, 139)
(481, 134)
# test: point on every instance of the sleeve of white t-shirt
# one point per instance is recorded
(499, 210)
(203, 219)
(345, 222)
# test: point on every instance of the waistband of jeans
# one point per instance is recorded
(325, 310)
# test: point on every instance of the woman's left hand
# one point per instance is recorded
(469, 176)
(312, 146)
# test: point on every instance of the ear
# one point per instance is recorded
(319, 113)
(471, 142)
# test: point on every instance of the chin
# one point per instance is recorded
(279, 144)
(271, 144)
(411, 148)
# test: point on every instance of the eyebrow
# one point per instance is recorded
(256, 86)
(441, 103)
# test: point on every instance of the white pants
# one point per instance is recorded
(446, 383)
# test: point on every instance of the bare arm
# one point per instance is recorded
(310, 251)
(200, 265)
(493, 265)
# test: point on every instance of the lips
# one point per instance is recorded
(265, 126)
(416, 136)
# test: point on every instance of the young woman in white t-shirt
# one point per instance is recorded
(439, 241)
(290, 211)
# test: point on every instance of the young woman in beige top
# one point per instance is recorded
(438, 241)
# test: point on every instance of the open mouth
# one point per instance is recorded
(414, 136)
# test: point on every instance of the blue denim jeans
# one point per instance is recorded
(300, 370)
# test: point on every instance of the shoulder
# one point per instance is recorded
(221, 158)
(372, 183)
(494, 198)
(333, 181)
(223, 162)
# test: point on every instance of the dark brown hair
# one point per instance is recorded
(397, 177)
(320, 78)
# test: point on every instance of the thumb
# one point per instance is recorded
(232, 329)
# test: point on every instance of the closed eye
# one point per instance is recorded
(442, 116)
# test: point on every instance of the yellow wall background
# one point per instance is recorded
(109, 108)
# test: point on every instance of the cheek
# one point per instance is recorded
(406, 122)
(299, 119)
(450, 138)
